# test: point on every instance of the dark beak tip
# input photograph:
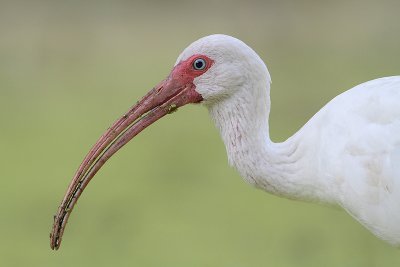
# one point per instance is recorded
(164, 99)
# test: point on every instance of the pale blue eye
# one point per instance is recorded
(199, 64)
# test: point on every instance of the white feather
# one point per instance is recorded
(347, 154)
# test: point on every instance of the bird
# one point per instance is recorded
(347, 154)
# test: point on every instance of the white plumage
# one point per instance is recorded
(347, 154)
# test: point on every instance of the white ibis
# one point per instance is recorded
(347, 154)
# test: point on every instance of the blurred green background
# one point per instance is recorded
(68, 69)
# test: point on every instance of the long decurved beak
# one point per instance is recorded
(163, 99)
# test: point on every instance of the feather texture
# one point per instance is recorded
(347, 154)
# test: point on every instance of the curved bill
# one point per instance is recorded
(163, 99)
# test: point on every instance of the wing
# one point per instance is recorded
(358, 153)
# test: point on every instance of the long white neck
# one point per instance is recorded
(278, 168)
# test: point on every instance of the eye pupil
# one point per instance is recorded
(199, 64)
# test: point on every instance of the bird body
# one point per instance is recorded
(356, 138)
(347, 154)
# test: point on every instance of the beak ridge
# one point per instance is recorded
(163, 99)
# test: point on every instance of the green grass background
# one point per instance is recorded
(68, 69)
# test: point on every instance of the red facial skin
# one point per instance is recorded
(176, 90)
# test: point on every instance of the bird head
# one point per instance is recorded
(228, 65)
(210, 70)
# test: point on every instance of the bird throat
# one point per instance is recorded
(242, 121)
